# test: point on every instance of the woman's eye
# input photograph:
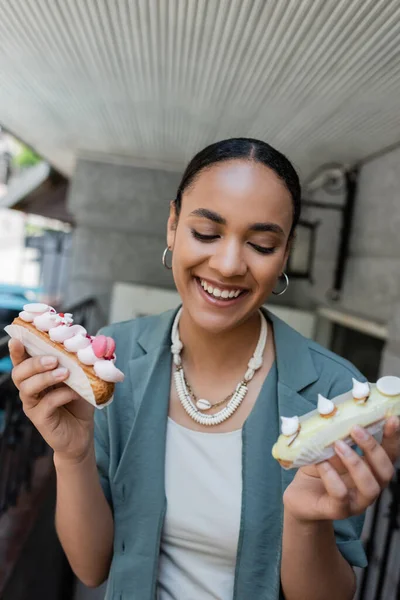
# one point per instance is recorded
(202, 237)
(262, 250)
(210, 238)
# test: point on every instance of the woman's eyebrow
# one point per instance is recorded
(206, 213)
(273, 227)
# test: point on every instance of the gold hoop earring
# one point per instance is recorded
(164, 259)
(285, 288)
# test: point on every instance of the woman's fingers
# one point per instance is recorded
(53, 400)
(334, 484)
(32, 366)
(17, 352)
(367, 488)
(31, 388)
(375, 455)
(391, 438)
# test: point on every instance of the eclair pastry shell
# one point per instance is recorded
(317, 436)
(100, 390)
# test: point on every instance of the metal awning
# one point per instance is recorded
(39, 190)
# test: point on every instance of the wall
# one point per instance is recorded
(121, 213)
(371, 286)
(372, 280)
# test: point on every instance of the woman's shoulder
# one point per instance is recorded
(335, 373)
(326, 359)
(327, 372)
(143, 326)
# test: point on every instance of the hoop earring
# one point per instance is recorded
(164, 259)
(285, 288)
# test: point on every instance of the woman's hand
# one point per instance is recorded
(348, 483)
(62, 417)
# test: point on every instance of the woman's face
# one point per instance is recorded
(230, 243)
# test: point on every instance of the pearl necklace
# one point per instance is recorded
(193, 410)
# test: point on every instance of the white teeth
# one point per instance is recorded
(217, 293)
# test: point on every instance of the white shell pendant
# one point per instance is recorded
(203, 404)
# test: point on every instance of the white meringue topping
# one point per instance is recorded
(360, 389)
(106, 370)
(60, 333)
(26, 316)
(389, 385)
(45, 321)
(30, 311)
(289, 425)
(78, 342)
(36, 307)
(325, 406)
(87, 356)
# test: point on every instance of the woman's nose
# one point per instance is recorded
(228, 259)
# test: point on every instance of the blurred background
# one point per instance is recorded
(101, 105)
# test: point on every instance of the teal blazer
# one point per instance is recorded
(130, 437)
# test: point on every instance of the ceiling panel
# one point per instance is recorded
(156, 80)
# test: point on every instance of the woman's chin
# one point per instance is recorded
(217, 322)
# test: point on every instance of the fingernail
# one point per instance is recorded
(325, 466)
(343, 448)
(59, 373)
(48, 361)
(360, 433)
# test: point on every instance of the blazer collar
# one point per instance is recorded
(296, 369)
(295, 366)
(152, 338)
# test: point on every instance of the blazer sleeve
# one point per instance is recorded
(101, 447)
(102, 441)
(348, 531)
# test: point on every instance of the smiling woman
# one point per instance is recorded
(176, 494)
(232, 225)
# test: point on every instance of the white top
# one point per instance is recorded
(203, 483)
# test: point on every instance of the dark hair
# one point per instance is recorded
(248, 149)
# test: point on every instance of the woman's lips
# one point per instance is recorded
(219, 302)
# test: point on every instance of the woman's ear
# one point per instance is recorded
(171, 225)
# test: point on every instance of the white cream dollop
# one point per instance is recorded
(289, 425)
(325, 406)
(87, 356)
(360, 389)
(45, 321)
(26, 316)
(106, 370)
(388, 385)
(78, 342)
(60, 333)
(30, 311)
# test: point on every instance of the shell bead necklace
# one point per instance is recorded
(195, 410)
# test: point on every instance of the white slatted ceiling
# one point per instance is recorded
(159, 79)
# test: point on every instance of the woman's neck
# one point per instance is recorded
(208, 352)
